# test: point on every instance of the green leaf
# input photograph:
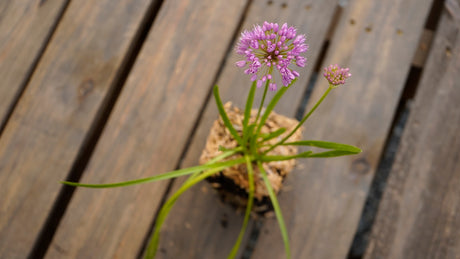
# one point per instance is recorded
(224, 155)
(276, 207)
(247, 109)
(281, 158)
(172, 174)
(308, 154)
(248, 209)
(333, 153)
(326, 145)
(225, 118)
(155, 240)
(249, 133)
(272, 105)
(272, 135)
(263, 100)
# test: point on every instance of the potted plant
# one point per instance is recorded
(249, 152)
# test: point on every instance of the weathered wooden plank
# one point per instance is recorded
(24, 30)
(419, 216)
(148, 129)
(49, 124)
(199, 225)
(377, 40)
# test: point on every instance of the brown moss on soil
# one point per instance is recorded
(232, 183)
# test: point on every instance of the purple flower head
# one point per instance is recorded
(269, 47)
(336, 75)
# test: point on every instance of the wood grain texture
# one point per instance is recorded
(49, 124)
(323, 205)
(419, 216)
(25, 26)
(148, 129)
(200, 226)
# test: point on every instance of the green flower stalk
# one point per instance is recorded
(266, 49)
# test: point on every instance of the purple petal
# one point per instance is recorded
(241, 63)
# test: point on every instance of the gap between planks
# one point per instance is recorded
(51, 120)
(90, 141)
(320, 239)
(144, 145)
(418, 216)
(4, 117)
(386, 161)
(195, 127)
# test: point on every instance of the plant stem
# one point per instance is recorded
(302, 121)
(271, 106)
(262, 102)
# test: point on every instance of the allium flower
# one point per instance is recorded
(270, 47)
(336, 75)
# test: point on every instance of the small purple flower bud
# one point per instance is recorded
(336, 75)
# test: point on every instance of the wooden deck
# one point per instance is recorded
(112, 90)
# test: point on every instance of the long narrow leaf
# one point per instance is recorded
(262, 101)
(224, 154)
(216, 159)
(249, 133)
(225, 118)
(308, 154)
(247, 109)
(273, 134)
(333, 153)
(281, 158)
(325, 144)
(276, 207)
(248, 209)
(172, 174)
(155, 240)
(191, 181)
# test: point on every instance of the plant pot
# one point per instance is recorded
(232, 183)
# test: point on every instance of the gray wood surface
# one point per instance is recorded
(199, 225)
(52, 118)
(419, 216)
(24, 29)
(165, 99)
(322, 207)
(148, 129)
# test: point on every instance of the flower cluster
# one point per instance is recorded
(336, 75)
(270, 47)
